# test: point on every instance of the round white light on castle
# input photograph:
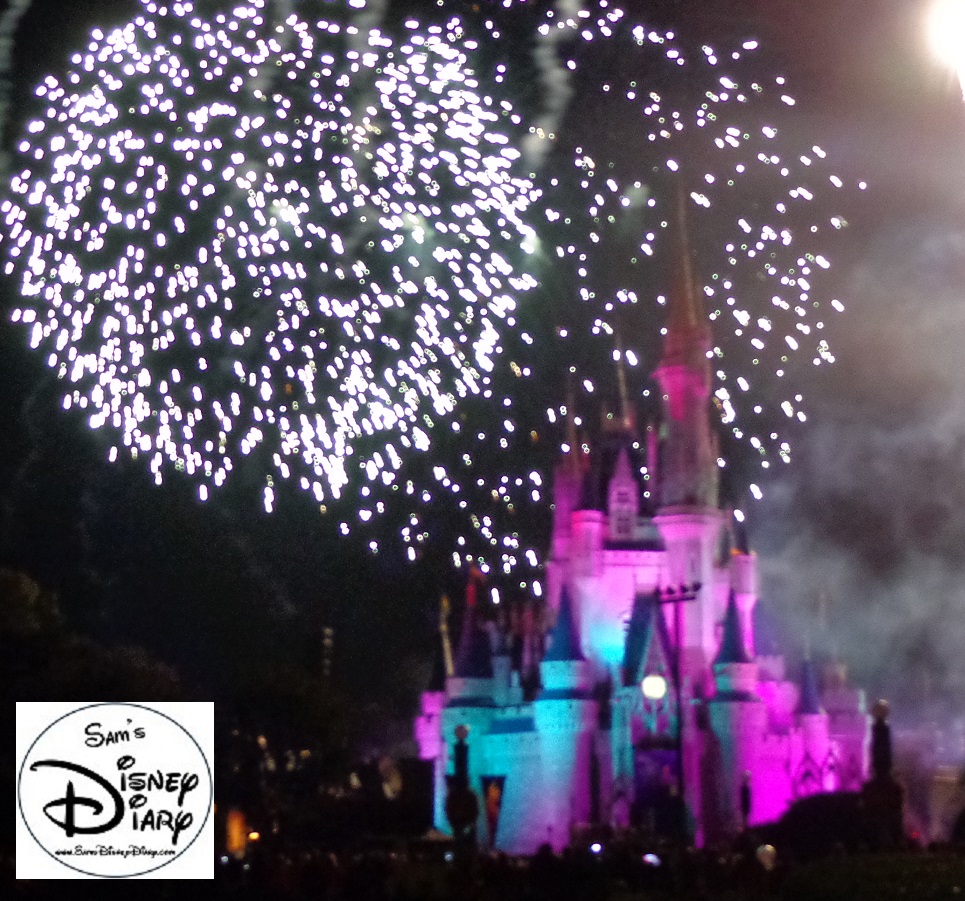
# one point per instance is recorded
(654, 687)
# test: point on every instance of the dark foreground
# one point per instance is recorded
(581, 876)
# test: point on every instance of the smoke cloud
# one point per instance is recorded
(556, 83)
(9, 22)
(872, 514)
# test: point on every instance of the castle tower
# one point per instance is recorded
(743, 568)
(588, 524)
(849, 724)
(473, 672)
(565, 716)
(623, 500)
(568, 478)
(813, 773)
(738, 718)
(687, 517)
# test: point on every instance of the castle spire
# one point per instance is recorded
(564, 639)
(474, 654)
(688, 332)
(732, 648)
(445, 644)
(690, 477)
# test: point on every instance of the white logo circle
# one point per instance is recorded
(115, 790)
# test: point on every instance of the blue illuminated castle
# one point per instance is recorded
(581, 725)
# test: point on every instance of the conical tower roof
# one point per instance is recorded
(810, 700)
(732, 648)
(646, 626)
(564, 641)
(474, 655)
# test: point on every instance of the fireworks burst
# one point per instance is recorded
(293, 240)
(764, 218)
(299, 240)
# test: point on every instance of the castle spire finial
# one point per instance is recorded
(572, 439)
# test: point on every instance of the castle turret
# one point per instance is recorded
(743, 569)
(849, 725)
(738, 719)
(813, 773)
(428, 724)
(473, 672)
(734, 671)
(588, 530)
(567, 483)
(623, 500)
(563, 645)
(809, 699)
(565, 717)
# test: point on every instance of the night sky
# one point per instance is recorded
(869, 516)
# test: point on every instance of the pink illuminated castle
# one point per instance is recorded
(589, 723)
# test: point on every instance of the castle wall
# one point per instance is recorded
(738, 720)
(566, 728)
(604, 601)
(771, 792)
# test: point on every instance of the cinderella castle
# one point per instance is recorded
(646, 691)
